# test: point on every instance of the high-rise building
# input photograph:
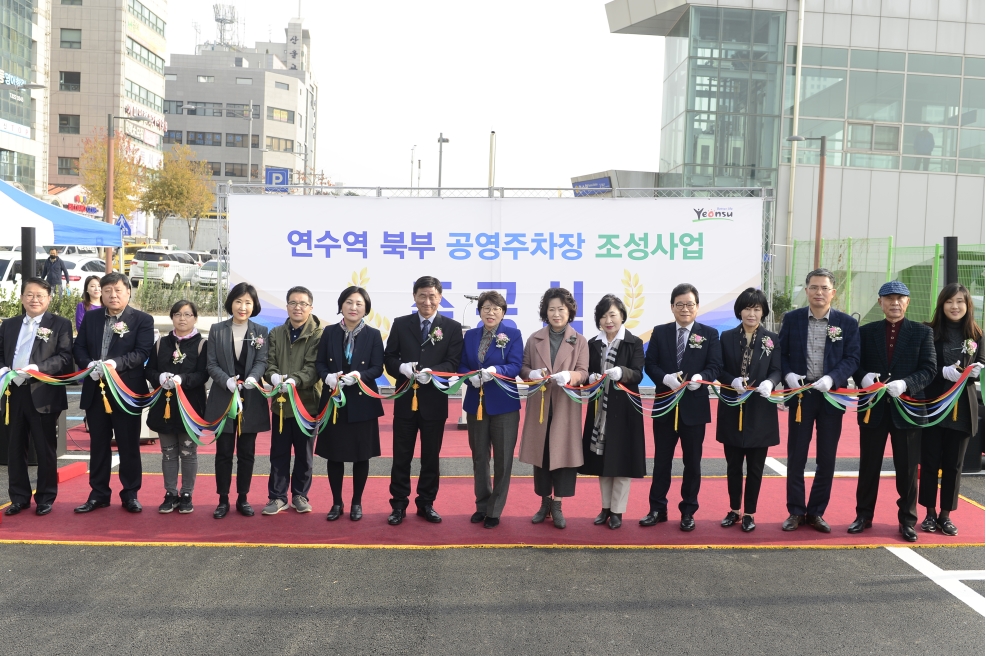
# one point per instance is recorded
(23, 112)
(245, 109)
(895, 86)
(107, 58)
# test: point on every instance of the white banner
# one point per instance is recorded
(637, 249)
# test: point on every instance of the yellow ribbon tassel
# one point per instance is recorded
(281, 400)
(6, 420)
(106, 401)
(479, 408)
(797, 416)
(866, 417)
(239, 421)
(541, 418)
(741, 419)
(335, 413)
(596, 407)
(955, 411)
(676, 417)
(167, 407)
(414, 399)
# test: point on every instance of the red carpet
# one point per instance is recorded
(456, 444)
(455, 503)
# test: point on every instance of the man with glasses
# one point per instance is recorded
(819, 348)
(291, 357)
(681, 353)
(41, 342)
(121, 338)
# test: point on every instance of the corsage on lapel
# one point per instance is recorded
(177, 357)
(834, 333)
(969, 346)
(435, 336)
(120, 328)
(257, 342)
(768, 345)
(696, 341)
(501, 343)
(571, 340)
(44, 334)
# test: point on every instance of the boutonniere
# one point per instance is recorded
(258, 342)
(696, 341)
(44, 334)
(501, 341)
(435, 336)
(834, 333)
(768, 345)
(571, 340)
(969, 346)
(120, 328)
(177, 357)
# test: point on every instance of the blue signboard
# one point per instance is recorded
(276, 178)
(124, 225)
(592, 187)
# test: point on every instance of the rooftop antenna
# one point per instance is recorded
(225, 17)
(198, 32)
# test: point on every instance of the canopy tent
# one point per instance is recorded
(53, 225)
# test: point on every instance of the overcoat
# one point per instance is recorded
(256, 409)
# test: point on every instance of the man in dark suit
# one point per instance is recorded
(419, 343)
(119, 337)
(41, 342)
(682, 352)
(901, 354)
(819, 345)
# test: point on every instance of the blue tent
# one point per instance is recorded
(53, 225)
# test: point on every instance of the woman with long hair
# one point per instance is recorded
(91, 294)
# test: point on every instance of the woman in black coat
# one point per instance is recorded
(750, 359)
(179, 358)
(350, 351)
(613, 440)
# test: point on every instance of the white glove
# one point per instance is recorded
(163, 378)
(671, 380)
(289, 381)
(275, 379)
(694, 384)
(561, 378)
(407, 369)
(976, 368)
(453, 380)
(97, 370)
(110, 363)
(23, 377)
(765, 388)
(487, 374)
(331, 380)
(896, 387)
(350, 378)
(231, 385)
(175, 380)
(738, 384)
(476, 381)
(536, 374)
(793, 380)
(250, 382)
(423, 376)
(823, 384)
(615, 374)
(869, 379)
(594, 378)
(951, 373)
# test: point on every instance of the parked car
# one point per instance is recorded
(169, 267)
(75, 252)
(208, 274)
(81, 268)
(200, 257)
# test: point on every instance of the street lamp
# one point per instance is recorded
(821, 193)
(108, 207)
(441, 140)
(412, 164)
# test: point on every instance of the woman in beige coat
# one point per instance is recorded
(552, 438)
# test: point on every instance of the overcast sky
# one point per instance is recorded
(564, 95)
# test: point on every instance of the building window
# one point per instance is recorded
(71, 39)
(146, 16)
(932, 99)
(69, 81)
(68, 166)
(234, 110)
(172, 136)
(282, 85)
(144, 56)
(244, 80)
(172, 106)
(170, 77)
(139, 94)
(282, 115)
(68, 123)
(206, 78)
(203, 109)
(215, 168)
(240, 140)
(236, 170)
(77, 3)
(280, 145)
(204, 139)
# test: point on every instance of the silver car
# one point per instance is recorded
(208, 274)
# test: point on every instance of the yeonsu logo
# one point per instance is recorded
(717, 214)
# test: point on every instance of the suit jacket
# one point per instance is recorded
(662, 359)
(507, 362)
(53, 357)
(404, 344)
(939, 385)
(841, 357)
(367, 359)
(220, 364)
(760, 427)
(128, 351)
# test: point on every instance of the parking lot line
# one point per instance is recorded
(950, 581)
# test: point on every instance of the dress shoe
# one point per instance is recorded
(91, 505)
(132, 506)
(818, 523)
(947, 527)
(355, 512)
(477, 517)
(602, 517)
(908, 533)
(397, 516)
(654, 517)
(557, 518)
(860, 524)
(793, 522)
(429, 514)
(491, 522)
(687, 523)
(748, 523)
(930, 524)
(732, 517)
(543, 511)
(43, 509)
(244, 508)
(335, 512)
(221, 510)
(15, 508)
(615, 520)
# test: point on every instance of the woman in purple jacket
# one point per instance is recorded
(91, 294)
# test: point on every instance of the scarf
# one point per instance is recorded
(195, 331)
(349, 338)
(608, 357)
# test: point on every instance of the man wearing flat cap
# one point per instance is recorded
(901, 354)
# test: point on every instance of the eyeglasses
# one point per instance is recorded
(299, 304)
(685, 306)
(491, 309)
(34, 297)
(183, 316)
(816, 288)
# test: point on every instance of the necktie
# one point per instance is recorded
(682, 333)
(425, 328)
(22, 353)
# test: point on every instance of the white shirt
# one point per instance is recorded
(688, 329)
(619, 336)
(25, 340)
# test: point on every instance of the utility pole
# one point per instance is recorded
(108, 205)
(441, 140)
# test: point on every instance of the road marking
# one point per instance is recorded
(74, 418)
(74, 393)
(950, 581)
(781, 470)
(775, 464)
(114, 461)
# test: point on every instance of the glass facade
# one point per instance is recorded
(722, 98)
(15, 106)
